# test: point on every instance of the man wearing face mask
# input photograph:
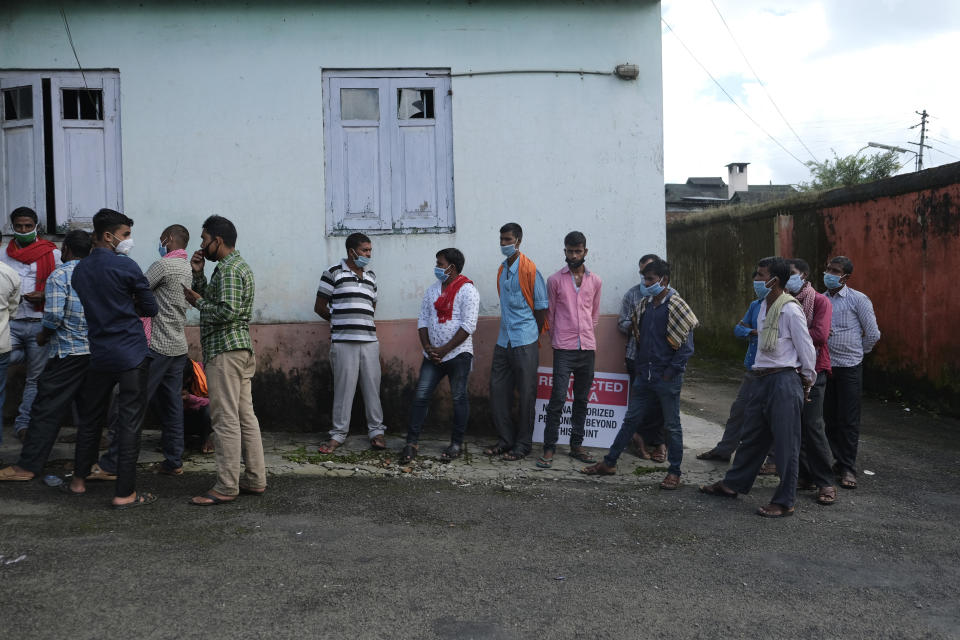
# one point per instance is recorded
(34, 259)
(523, 315)
(784, 370)
(573, 314)
(347, 299)
(114, 294)
(168, 277)
(226, 306)
(815, 454)
(663, 325)
(448, 319)
(853, 334)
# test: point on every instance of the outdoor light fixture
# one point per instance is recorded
(627, 71)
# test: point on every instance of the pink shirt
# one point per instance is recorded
(573, 314)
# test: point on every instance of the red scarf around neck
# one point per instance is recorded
(444, 304)
(39, 251)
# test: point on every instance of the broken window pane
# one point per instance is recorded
(360, 104)
(82, 104)
(414, 103)
(18, 103)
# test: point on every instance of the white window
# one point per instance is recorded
(60, 144)
(389, 151)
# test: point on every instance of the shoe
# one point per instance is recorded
(713, 456)
(97, 473)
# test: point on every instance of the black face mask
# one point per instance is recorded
(575, 264)
(206, 253)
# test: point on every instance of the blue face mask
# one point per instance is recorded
(760, 288)
(440, 273)
(832, 281)
(795, 283)
(162, 250)
(508, 250)
(359, 260)
(653, 290)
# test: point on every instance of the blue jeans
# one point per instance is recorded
(645, 394)
(457, 369)
(4, 363)
(23, 341)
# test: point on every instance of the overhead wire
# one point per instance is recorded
(729, 97)
(762, 85)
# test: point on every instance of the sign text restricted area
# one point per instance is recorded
(605, 411)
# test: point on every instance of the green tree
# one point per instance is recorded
(848, 170)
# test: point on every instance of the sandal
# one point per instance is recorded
(774, 510)
(671, 482)
(9, 474)
(827, 495)
(252, 492)
(408, 454)
(65, 488)
(767, 469)
(141, 500)
(451, 453)
(598, 469)
(378, 442)
(581, 455)
(659, 454)
(718, 490)
(495, 450)
(544, 463)
(848, 480)
(512, 456)
(214, 500)
(713, 456)
(329, 447)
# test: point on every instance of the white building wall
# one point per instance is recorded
(221, 112)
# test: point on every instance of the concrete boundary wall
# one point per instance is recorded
(903, 235)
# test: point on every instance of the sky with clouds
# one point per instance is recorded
(842, 72)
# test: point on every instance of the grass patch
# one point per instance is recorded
(642, 471)
(300, 455)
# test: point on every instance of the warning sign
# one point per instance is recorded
(607, 406)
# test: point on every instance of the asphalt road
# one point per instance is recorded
(407, 557)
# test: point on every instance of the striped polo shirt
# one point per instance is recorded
(351, 301)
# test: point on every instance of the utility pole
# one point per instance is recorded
(923, 134)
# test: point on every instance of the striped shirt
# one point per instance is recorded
(63, 314)
(226, 307)
(352, 302)
(853, 328)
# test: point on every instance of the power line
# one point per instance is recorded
(70, 38)
(729, 97)
(762, 85)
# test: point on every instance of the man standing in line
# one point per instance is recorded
(448, 319)
(114, 295)
(853, 334)
(226, 305)
(730, 440)
(65, 328)
(523, 313)
(168, 277)
(650, 431)
(347, 299)
(34, 259)
(573, 294)
(776, 401)
(814, 447)
(9, 301)
(663, 325)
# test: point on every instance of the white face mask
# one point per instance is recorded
(123, 247)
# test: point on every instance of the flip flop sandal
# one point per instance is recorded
(247, 491)
(582, 456)
(827, 496)
(141, 500)
(596, 470)
(510, 456)
(544, 463)
(495, 450)
(7, 474)
(450, 454)
(214, 500)
(329, 447)
(65, 488)
(716, 490)
(408, 454)
(784, 512)
(378, 443)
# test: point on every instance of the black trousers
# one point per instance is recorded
(56, 387)
(841, 413)
(93, 401)
(814, 447)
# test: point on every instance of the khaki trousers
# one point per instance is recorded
(235, 425)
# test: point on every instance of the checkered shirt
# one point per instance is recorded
(226, 307)
(63, 314)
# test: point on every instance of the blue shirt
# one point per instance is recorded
(63, 314)
(114, 293)
(655, 356)
(518, 327)
(749, 319)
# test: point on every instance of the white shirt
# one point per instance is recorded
(9, 301)
(28, 280)
(794, 347)
(466, 308)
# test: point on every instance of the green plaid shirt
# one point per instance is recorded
(225, 307)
